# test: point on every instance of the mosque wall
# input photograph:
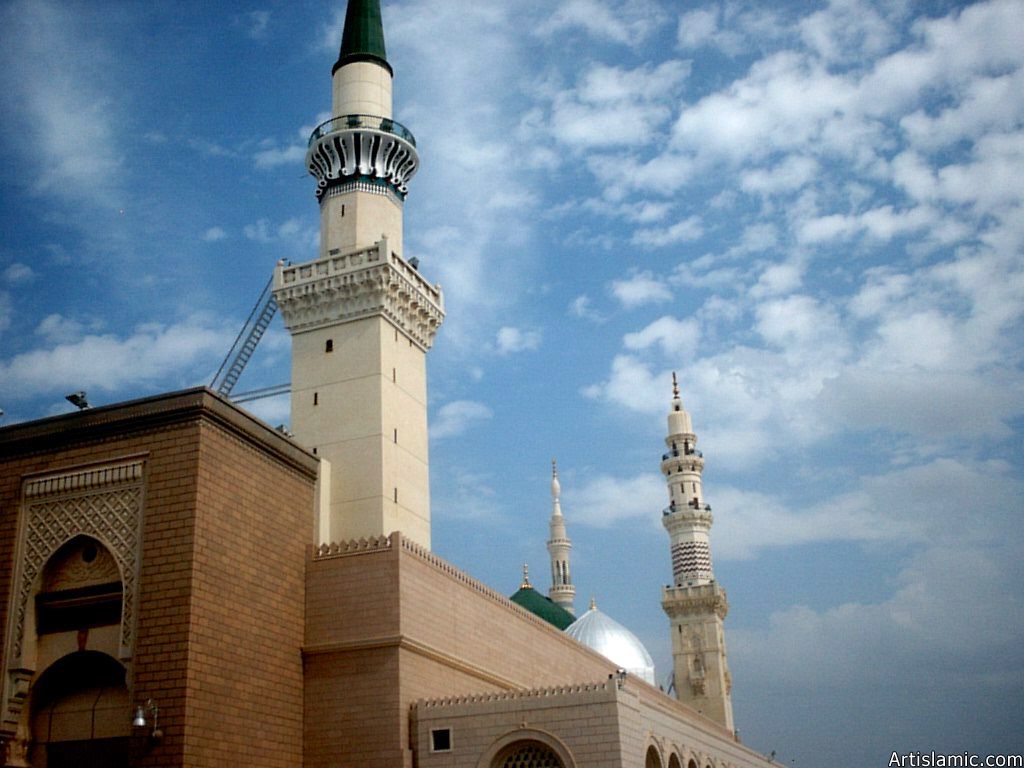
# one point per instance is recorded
(215, 634)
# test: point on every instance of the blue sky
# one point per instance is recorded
(811, 211)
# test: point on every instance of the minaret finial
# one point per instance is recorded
(593, 604)
(675, 385)
(526, 577)
(363, 36)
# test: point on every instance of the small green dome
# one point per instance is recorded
(529, 598)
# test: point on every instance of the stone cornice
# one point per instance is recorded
(703, 598)
(343, 288)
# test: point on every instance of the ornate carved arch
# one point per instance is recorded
(525, 736)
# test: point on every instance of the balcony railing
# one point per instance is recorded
(677, 453)
(370, 122)
(670, 510)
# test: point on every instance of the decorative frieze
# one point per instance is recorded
(700, 599)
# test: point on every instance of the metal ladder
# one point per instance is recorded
(245, 343)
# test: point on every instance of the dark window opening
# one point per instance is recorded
(396, 495)
(316, 398)
(70, 609)
(329, 346)
(440, 740)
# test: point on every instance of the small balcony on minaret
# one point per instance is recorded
(367, 149)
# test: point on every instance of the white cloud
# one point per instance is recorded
(639, 289)
(675, 338)
(627, 23)
(272, 157)
(632, 384)
(154, 352)
(457, 417)
(18, 273)
(298, 234)
(50, 89)
(582, 307)
(606, 501)
(256, 23)
(511, 340)
(214, 234)
(57, 329)
(680, 232)
(613, 106)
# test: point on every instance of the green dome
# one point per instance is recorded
(363, 36)
(529, 598)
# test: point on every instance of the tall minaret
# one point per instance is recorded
(696, 604)
(562, 591)
(361, 316)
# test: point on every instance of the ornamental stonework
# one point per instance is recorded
(102, 502)
(342, 288)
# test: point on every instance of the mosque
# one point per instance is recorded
(182, 585)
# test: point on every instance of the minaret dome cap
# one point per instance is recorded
(363, 36)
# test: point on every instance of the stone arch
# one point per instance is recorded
(80, 713)
(652, 758)
(692, 764)
(674, 761)
(527, 748)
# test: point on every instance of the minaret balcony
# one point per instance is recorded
(368, 148)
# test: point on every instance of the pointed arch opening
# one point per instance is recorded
(80, 713)
(652, 759)
(527, 754)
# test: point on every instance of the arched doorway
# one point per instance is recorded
(81, 714)
(79, 706)
(527, 754)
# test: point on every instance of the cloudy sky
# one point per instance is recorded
(814, 212)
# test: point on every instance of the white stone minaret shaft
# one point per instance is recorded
(562, 590)
(695, 604)
(361, 316)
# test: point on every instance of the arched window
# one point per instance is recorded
(692, 764)
(673, 762)
(527, 754)
(653, 759)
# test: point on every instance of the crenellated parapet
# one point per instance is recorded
(603, 687)
(362, 147)
(343, 288)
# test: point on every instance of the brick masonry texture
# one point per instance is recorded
(227, 514)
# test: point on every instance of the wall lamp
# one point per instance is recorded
(151, 710)
(78, 400)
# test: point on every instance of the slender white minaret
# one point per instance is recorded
(696, 605)
(361, 316)
(562, 591)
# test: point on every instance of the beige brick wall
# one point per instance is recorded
(227, 514)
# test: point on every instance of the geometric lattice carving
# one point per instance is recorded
(102, 502)
(531, 755)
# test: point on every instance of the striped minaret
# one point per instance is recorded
(695, 603)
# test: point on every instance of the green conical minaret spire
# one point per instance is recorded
(363, 38)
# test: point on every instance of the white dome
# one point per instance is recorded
(613, 641)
